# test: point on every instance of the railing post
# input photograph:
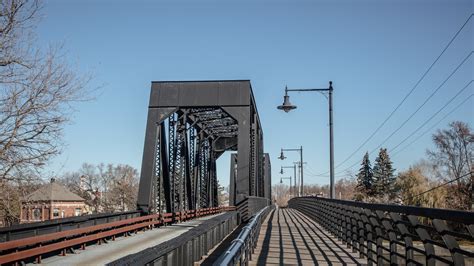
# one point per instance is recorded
(425, 238)
(450, 242)
(348, 227)
(361, 232)
(378, 237)
(335, 222)
(405, 234)
(392, 236)
(355, 229)
(370, 236)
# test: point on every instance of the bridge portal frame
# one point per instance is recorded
(181, 146)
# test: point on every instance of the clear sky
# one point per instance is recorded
(373, 51)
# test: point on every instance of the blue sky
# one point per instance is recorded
(373, 51)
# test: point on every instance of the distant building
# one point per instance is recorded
(52, 201)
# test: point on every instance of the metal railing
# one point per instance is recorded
(241, 250)
(33, 248)
(394, 234)
(251, 205)
(20, 231)
(187, 248)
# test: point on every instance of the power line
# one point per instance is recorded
(416, 111)
(433, 116)
(309, 172)
(444, 184)
(434, 125)
(407, 95)
(310, 168)
(426, 100)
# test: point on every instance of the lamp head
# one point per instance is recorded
(282, 157)
(281, 180)
(286, 106)
(281, 170)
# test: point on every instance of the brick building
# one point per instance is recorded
(51, 201)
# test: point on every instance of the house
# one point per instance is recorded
(51, 201)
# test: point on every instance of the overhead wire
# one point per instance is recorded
(433, 126)
(432, 116)
(416, 111)
(310, 173)
(426, 100)
(431, 189)
(405, 97)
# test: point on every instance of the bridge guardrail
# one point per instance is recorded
(241, 249)
(62, 224)
(188, 247)
(251, 205)
(385, 233)
(36, 246)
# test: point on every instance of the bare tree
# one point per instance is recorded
(281, 194)
(37, 89)
(123, 188)
(316, 190)
(17, 19)
(346, 188)
(222, 194)
(410, 184)
(454, 160)
(11, 196)
(106, 188)
(105, 177)
(86, 184)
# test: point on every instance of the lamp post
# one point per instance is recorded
(294, 169)
(281, 181)
(282, 157)
(287, 106)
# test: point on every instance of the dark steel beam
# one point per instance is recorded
(155, 117)
(199, 121)
(165, 169)
(242, 181)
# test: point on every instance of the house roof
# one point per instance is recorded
(52, 192)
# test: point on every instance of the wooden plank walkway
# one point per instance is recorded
(288, 237)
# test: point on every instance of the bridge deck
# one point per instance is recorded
(289, 237)
(123, 246)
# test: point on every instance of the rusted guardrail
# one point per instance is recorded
(388, 234)
(62, 224)
(187, 248)
(34, 247)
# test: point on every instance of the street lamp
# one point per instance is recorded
(287, 106)
(294, 171)
(282, 157)
(281, 181)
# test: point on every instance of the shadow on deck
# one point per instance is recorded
(289, 237)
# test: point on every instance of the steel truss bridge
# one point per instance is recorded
(178, 220)
(189, 126)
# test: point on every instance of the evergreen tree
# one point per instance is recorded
(383, 176)
(365, 178)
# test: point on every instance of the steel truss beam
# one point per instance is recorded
(190, 124)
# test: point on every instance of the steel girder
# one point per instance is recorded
(189, 125)
(265, 183)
